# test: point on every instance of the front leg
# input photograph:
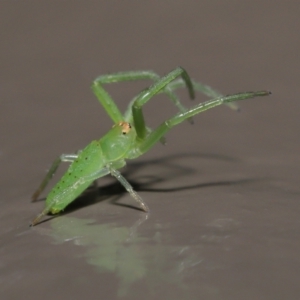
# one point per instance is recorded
(156, 135)
(110, 106)
(202, 88)
(105, 99)
(154, 89)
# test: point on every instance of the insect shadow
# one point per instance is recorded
(172, 167)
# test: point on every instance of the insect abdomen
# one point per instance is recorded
(75, 180)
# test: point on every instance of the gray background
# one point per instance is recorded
(223, 193)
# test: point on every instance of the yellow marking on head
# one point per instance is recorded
(125, 126)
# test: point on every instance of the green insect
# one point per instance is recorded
(129, 137)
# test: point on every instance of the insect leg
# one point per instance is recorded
(106, 100)
(161, 130)
(129, 188)
(202, 88)
(51, 172)
(154, 89)
(108, 103)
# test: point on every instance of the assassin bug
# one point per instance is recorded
(128, 138)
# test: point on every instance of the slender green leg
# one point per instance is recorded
(105, 99)
(202, 88)
(169, 92)
(155, 135)
(51, 172)
(156, 88)
(108, 103)
(129, 188)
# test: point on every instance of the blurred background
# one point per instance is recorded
(223, 193)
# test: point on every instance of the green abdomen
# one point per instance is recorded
(75, 180)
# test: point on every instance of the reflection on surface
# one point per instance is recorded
(123, 251)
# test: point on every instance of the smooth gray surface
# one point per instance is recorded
(224, 193)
